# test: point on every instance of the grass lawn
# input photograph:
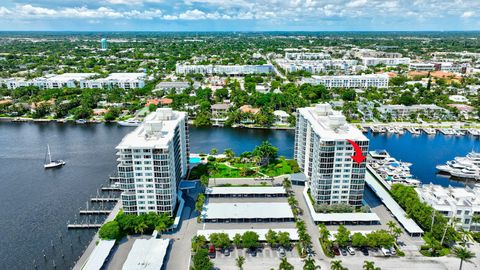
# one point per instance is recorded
(277, 168)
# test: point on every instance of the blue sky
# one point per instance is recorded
(240, 15)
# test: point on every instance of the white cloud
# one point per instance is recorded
(4, 11)
(468, 14)
(357, 3)
(192, 15)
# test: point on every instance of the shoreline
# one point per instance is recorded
(459, 125)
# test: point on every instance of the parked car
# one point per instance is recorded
(393, 251)
(336, 251)
(344, 251)
(226, 252)
(281, 252)
(350, 250)
(212, 252)
(364, 251)
(253, 252)
(385, 252)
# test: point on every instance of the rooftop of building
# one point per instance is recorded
(331, 124)
(451, 196)
(246, 210)
(156, 131)
(372, 76)
(245, 190)
(69, 76)
(147, 254)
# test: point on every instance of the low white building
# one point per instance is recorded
(281, 117)
(306, 55)
(147, 254)
(421, 66)
(247, 212)
(373, 61)
(402, 111)
(51, 81)
(121, 80)
(453, 202)
(350, 81)
(223, 69)
(177, 86)
(316, 66)
(220, 113)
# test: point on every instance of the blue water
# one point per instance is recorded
(37, 203)
(425, 152)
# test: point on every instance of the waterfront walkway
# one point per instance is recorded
(86, 254)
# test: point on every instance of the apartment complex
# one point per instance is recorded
(402, 111)
(151, 161)
(316, 66)
(83, 80)
(52, 81)
(306, 55)
(117, 80)
(373, 61)
(351, 81)
(224, 69)
(324, 155)
(454, 202)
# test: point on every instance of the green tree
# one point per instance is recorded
(463, 254)
(229, 153)
(200, 260)
(367, 265)
(337, 265)
(110, 231)
(250, 239)
(283, 239)
(285, 265)
(309, 264)
(198, 242)
(359, 240)
(271, 237)
(204, 180)
(213, 151)
(141, 227)
(220, 240)
(239, 262)
(266, 152)
(202, 120)
(237, 240)
(343, 236)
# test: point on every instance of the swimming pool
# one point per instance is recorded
(194, 160)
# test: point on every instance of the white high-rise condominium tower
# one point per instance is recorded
(152, 159)
(324, 155)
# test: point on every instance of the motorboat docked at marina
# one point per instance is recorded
(467, 167)
(130, 123)
(390, 169)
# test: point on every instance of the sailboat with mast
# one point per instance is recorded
(49, 163)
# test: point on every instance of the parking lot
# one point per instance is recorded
(265, 258)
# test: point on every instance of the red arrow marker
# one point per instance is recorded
(358, 157)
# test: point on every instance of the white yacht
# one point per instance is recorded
(467, 167)
(390, 169)
(430, 131)
(49, 163)
(130, 123)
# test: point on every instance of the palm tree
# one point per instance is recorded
(285, 265)
(239, 262)
(391, 225)
(463, 254)
(141, 227)
(336, 265)
(310, 264)
(370, 266)
(229, 153)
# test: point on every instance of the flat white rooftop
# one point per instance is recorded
(156, 131)
(246, 210)
(244, 190)
(147, 254)
(330, 124)
(71, 76)
(261, 232)
(99, 254)
(125, 76)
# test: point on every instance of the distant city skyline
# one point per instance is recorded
(240, 15)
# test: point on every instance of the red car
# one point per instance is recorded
(336, 251)
(212, 252)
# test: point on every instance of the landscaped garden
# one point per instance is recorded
(261, 162)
